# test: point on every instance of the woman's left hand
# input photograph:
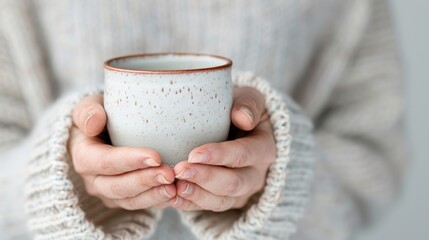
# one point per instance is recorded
(222, 176)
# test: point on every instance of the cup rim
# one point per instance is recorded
(107, 63)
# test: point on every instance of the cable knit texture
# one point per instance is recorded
(337, 60)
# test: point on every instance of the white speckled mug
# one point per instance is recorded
(171, 102)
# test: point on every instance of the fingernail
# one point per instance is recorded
(188, 189)
(151, 162)
(164, 192)
(248, 113)
(162, 179)
(185, 174)
(198, 158)
(89, 116)
(177, 201)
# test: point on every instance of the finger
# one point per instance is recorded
(153, 196)
(89, 115)
(92, 156)
(248, 107)
(252, 149)
(184, 204)
(203, 198)
(131, 184)
(220, 180)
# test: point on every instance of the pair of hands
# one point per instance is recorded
(216, 177)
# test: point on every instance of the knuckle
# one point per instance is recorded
(240, 159)
(206, 175)
(117, 190)
(241, 155)
(105, 164)
(222, 206)
(155, 193)
(130, 204)
(198, 196)
(142, 180)
(233, 187)
(249, 102)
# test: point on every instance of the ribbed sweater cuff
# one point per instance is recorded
(57, 204)
(274, 212)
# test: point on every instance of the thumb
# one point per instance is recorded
(248, 108)
(89, 115)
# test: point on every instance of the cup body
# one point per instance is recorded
(171, 103)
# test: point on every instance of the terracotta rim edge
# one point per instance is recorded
(107, 64)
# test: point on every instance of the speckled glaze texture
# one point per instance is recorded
(170, 112)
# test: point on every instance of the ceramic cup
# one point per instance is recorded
(170, 102)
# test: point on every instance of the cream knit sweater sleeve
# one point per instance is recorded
(59, 208)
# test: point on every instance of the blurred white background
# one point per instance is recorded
(409, 218)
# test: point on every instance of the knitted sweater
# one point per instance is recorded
(332, 64)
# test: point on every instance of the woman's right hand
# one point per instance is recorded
(127, 177)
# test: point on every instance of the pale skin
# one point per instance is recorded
(216, 177)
